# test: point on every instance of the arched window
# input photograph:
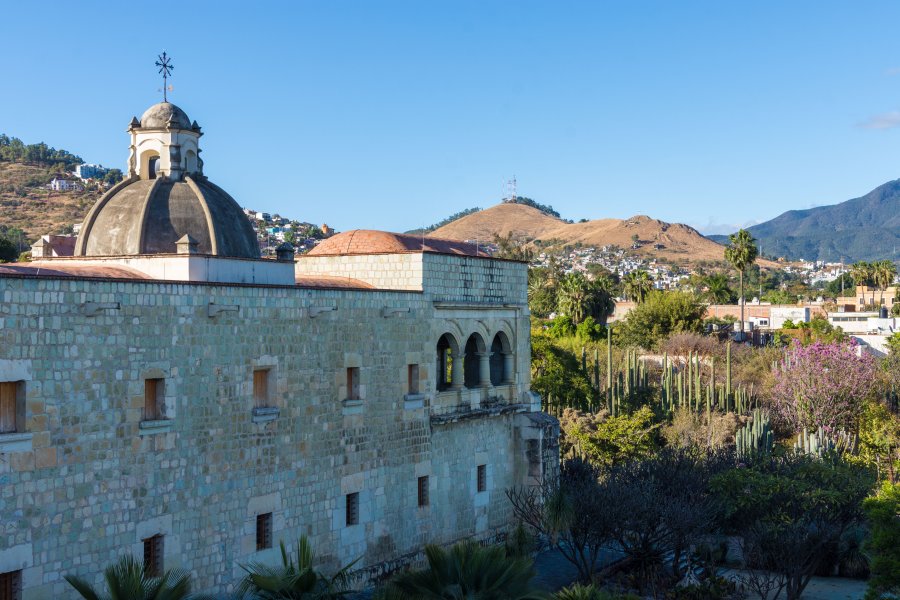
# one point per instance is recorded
(446, 348)
(152, 166)
(501, 360)
(472, 367)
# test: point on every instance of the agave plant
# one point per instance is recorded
(467, 571)
(127, 580)
(588, 592)
(294, 580)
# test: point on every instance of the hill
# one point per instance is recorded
(26, 204)
(671, 241)
(864, 228)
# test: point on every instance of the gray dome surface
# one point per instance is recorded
(148, 216)
(159, 115)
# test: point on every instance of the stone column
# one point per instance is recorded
(484, 369)
(508, 368)
(457, 373)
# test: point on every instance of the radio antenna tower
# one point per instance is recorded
(511, 193)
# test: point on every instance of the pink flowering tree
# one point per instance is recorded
(824, 385)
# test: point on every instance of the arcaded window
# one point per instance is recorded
(501, 360)
(472, 363)
(445, 348)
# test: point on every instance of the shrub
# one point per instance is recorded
(690, 429)
(660, 315)
(561, 326)
(589, 330)
(883, 513)
(606, 440)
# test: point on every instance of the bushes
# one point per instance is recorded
(660, 315)
(606, 440)
(883, 512)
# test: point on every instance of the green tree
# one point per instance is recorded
(883, 513)
(661, 315)
(741, 253)
(8, 251)
(863, 273)
(468, 571)
(717, 290)
(637, 285)
(579, 297)
(883, 273)
(127, 580)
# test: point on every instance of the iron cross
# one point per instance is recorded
(165, 69)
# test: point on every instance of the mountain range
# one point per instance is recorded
(864, 228)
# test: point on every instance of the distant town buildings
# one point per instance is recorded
(64, 185)
(86, 171)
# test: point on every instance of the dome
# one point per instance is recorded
(150, 216)
(159, 116)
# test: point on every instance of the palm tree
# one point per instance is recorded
(862, 275)
(637, 285)
(717, 290)
(573, 297)
(467, 571)
(884, 272)
(294, 580)
(128, 580)
(741, 253)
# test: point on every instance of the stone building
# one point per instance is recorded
(165, 392)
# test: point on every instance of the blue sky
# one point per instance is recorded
(391, 115)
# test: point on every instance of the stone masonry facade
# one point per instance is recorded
(352, 405)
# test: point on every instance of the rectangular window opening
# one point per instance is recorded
(482, 478)
(261, 388)
(12, 396)
(412, 379)
(353, 383)
(11, 585)
(423, 491)
(264, 531)
(353, 509)
(153, 555)
(154, 398)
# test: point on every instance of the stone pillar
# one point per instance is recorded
(457, 372)
(508, 368)
(484, 369)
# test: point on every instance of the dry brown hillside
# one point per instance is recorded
(672, 241)
(27, 205)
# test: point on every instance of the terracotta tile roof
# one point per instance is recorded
(332, 282)
(365, 241)
(46, 269)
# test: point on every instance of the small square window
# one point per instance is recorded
(153, 556)
(423, 491)
(482, 478)
(261, 388)
(11, 585)
(412, 379)
(353, 509)
(12, 398)
(264, 531)
(154, 398)
(353, 383)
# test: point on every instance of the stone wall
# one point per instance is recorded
(91, 477)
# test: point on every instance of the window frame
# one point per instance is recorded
(263, 531)
(423, 496)
(352, 509)
(353, 383)
(12, 407)
(154, 553)
(154, 408)
(11, 585)
(262, 387)
(412, 379)
(481, 478)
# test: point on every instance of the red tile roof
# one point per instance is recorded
(365, 241)
(331, 282)
(67, 270)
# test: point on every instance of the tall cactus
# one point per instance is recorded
(756, 437)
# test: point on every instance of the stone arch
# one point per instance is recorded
(473, 364)
(190, 162)
(447, 348)
(502, 359)
(150, 163)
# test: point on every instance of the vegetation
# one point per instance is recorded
(14, 150)
(128, 580)
(883, 512)
(659, 316)
(295, 579)
(637, 285)
(467, 570)
(544, 208)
